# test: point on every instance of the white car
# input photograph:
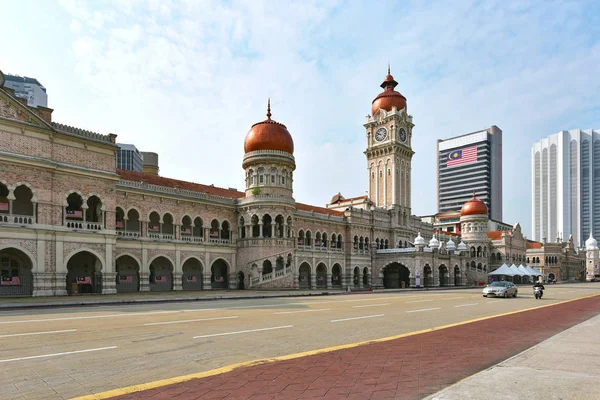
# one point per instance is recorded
(500, 289)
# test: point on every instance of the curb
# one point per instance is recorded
(94, 303)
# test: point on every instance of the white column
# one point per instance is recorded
(369, 179)
(394, 187)
(385, 184)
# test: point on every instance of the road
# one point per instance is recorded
(68, 352)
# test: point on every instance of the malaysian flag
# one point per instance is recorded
(84, 280)
(152, 228)
(125, 278)
(75, 214)
(191, 278)
(214, 234)
(317, 242)
(186, 230)
(301, 242)
(160, 279)
(10, 281)
(220, 279)
(462, 156)
(3, 206)
(119, 224)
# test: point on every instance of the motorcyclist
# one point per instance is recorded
(538, 284)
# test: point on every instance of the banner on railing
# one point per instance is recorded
(84, 280)
(75, 214)
(191, 278)
(3, 206)
(153, 228)
(301, 242)
(120, 225)
(214, 234)
(160, 279)
(10, 281)
(317, 242)
(219, 279)
(125, 279)
(186, 230)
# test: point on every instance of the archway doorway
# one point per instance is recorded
(443, 271)
(219, 273)
(365, 277)
(304, 276)
(321, 276)
(16, 278)
(192, 274)
(395, 275)
(241, 277)
(128, 274)
(84, 272)
(336, 276)
(161, 275)
(427, 276)
(356, 277)
(457, 276)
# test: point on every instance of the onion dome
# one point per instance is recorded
(389, 97)
(419, 241)
(450, 245)
(474, 207)
(591, 243)
(434, 243)
(268, 135)
(462, 246)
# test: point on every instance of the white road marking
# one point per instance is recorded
(495, 301)
(418, 301)
(424, 309)
(247, 331)
(88, 317)
(189, 320)
(467, 305)
(350, 319)
(372, 305)
(301, 311)
(453, 298)
(38, 333)
(58, 354)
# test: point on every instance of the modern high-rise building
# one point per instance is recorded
(27, 88)
(565, 186)
(129, 158)
(471, 163)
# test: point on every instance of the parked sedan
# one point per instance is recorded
(500, 289)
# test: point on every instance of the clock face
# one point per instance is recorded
(380, 134)
(402, 134)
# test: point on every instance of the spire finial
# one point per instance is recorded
(474, 195)
(269, 109)
(389, 68)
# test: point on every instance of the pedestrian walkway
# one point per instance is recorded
(562, 367)
(410, 367)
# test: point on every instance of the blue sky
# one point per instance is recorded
(187, 79)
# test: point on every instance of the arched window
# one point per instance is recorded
(22, 204)
(261, 176)
(283, 176)
(273, 176)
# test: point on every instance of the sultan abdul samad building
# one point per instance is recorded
(70, 219)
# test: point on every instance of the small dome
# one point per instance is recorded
(419, 241)
(462, 246)
(389, 97)
(434, 243)
(268, 135)
(450, 245)
(474, 207)
(591, 243)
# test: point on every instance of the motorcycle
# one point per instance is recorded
(538, 292)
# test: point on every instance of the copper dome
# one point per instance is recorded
(474, 207)
(389, 97)
(268, 135)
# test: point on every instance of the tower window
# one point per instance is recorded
(380, 174)
(372, 175)
(252, 179)
(283, 180)
(389, 172)
(272, 178)
(261, 179)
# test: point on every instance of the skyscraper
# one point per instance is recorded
(471, 163)
(129, 158)
(27, 88)
(565, 185)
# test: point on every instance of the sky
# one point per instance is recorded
(187, 79)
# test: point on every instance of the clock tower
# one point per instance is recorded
(389, 152)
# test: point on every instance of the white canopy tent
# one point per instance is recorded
(503, 270)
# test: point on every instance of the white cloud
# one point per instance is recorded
(187, 79)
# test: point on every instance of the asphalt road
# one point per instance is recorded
(63, 353)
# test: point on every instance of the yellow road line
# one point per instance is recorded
(178, 379)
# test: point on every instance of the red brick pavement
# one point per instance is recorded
(406, 368)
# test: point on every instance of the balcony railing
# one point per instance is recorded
(89, 226)
(161, 236)
(130, 234)
(192, 239)
(17, 219)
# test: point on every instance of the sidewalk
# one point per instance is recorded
(11, 303)
(562, 367)
(413, 366)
